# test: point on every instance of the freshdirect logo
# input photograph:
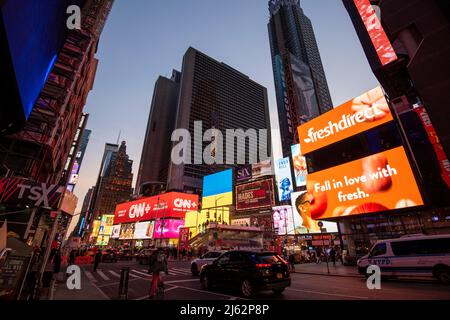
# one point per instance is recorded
(347, 121)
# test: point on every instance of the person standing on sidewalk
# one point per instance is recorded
(292, 263)
(97, 258)
(158, 263)
(333, 256)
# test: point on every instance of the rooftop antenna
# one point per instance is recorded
(118, 138)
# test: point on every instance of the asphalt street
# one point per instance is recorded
(181, 285)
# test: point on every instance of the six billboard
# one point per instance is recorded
(283, 177)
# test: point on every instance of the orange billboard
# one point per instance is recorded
(355, 116)
(380, 182)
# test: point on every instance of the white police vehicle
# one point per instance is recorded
(411, 255)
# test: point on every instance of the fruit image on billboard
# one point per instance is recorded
(380, 182)
(300, 167)
(363, 113)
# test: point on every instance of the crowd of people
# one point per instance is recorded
(318, 256)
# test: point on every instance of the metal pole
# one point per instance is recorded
(326, 255)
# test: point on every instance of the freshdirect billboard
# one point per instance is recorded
(255, 195)
(380, 182)
(169, 205)
(355, 116)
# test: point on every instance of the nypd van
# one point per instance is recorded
(411, 256)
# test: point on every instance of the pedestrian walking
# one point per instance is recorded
(97, 258)
(292, 263)
(158, 263)
(332, 254)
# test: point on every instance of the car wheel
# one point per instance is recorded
(443, 275)
(278, 291)
(247, 289)
(194, 270)
(206, 283)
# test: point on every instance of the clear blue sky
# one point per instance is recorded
(144, 39)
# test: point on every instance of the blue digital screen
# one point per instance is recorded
(35, 31)
(218, 183)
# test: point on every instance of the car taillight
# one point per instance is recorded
(263, 265)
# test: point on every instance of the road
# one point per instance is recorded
(181, 285)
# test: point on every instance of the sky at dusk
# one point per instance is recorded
(144, 39)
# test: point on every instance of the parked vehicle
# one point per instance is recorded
(126, 254)
(412, 255)
(247, 271)
(109, 255)
(144, 256)
(207, 258)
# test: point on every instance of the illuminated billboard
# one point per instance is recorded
(143, 230)
(170, 205)
(167, 229)
(106, 225)
(377, 35)
(115, 232)
(33, 32)
(218, 189)
(127, 231)
(355, 116)
(262, 169)
(301, 209)
(283, 176)
(285, 221)
(95, 228)
(102, 240)
(195, 220)
(300, 166)
(255, 195)
(380, 182)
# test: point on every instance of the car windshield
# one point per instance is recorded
(213, 255)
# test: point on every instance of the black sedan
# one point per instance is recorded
(247, 271)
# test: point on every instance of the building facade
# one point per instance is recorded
(155, 158)
(300, 83)
(213, 95)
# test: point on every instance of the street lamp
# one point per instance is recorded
(215, 199)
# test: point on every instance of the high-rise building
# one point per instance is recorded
(300, 83)
(222, 98)
(115, 185)
(155, 158)
(40, 151)
(84, 215)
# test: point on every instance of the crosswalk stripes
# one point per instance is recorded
(139, 272)
(179, 271)
(115, 274)
(89, 276)
(102, 275)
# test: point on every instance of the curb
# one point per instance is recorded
(330, 274)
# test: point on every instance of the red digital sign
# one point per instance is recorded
(255, 195)
(167, 205)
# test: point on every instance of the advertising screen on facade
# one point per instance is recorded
(218, 189)
(127, 231)
(300, 166)
(301, 208)
(106, 225)
(283, 177)
(255, 195)
(170, 205)
(243, 173)
(285, 221)
(102, 240)
(171, 229)
(115, 232)
(380, 182)
(377, 35)
(143, 230)
(96, 228)
(262, 169)
(355, 116)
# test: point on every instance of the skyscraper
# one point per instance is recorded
(155, 158)
(221, 98)
(207, 92)
(300, 82)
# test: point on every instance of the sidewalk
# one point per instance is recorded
(321, 269)
(88, 290)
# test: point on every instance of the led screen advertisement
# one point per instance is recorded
(380, 182)
(285, 221)
(35, 32)
(127, 231)
(170, 205)
(377, 35)
(284, 179)
(304, 223)
(300, 166)
(218, 189)
(355, 116)
(115, 232)
(261, 169)
(143, 230)
(255, 195)
(167, 229)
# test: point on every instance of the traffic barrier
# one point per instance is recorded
(123, 285)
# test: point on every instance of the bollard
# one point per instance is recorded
(123, 285)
